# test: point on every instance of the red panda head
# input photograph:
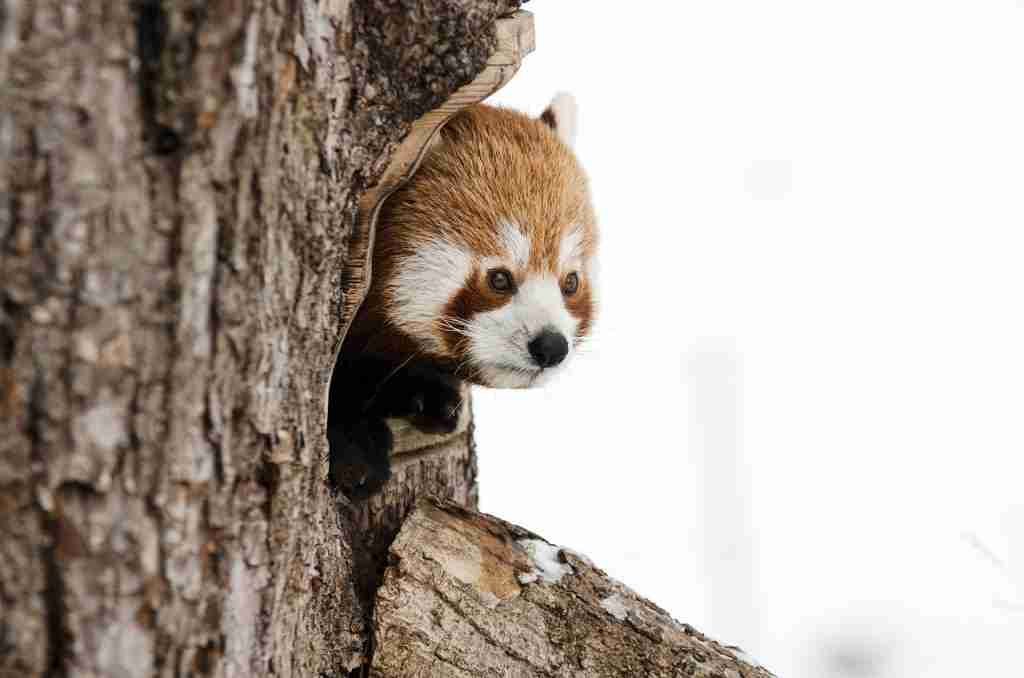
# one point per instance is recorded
(486, 258)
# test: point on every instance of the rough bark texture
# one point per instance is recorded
(178, 191)
(469, 595)
(179, 188)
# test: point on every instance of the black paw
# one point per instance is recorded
(435, 400)
(360, 461)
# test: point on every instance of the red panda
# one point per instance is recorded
(484, 271)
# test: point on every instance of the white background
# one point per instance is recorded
(799, 426)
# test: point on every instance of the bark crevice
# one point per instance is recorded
(151, 29)
(57, 633)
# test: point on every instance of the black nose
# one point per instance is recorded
(548, 348)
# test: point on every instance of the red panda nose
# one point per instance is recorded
(548, 348)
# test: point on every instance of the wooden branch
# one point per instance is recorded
(469, 595)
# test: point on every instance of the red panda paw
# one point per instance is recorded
(435, 400)
(359, 462)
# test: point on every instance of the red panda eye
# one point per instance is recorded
(500, 280)
(571, 284)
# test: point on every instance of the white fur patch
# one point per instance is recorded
(499, 339)
(564, 108)
(570, 253)
(422, 287)
(516, 244)
(592, 267)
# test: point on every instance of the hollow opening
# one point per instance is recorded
(384, 399)
(382, 450)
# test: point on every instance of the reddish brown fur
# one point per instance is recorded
(491, 165)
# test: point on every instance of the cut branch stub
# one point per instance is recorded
(469, 595)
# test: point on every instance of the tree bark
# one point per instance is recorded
(179, 188)
(186, 199)
(469, 595)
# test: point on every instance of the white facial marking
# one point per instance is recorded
(499, 339)
(423, 286)
(570, 252)
(539, 303)
(571, 258)
(516, 244)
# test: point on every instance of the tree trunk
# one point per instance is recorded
(187, 198)
(180, 184)
(468, 595)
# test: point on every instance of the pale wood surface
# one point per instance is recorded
(461, 598)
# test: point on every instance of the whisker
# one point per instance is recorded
(380, 385)
(456, 408)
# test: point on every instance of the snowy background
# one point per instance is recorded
(800, 424)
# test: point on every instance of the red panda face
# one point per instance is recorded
(489, 253)
(516, 321)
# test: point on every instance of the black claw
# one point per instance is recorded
(417, 404)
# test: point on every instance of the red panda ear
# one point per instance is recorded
(560, 115)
